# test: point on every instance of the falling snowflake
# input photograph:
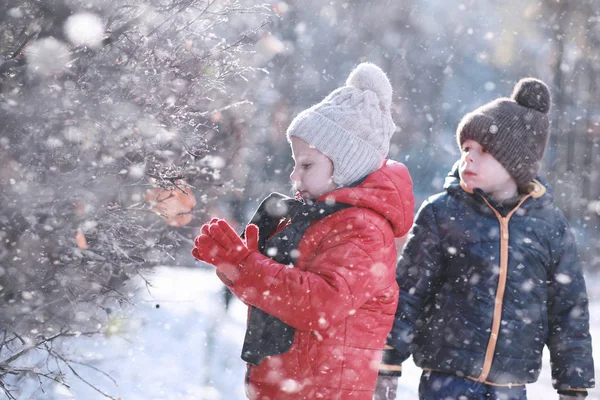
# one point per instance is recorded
(563, 278)
(48, 56)
(137, 171)
(85, 29)
(489, 86)
(290, 386)
(527, 286)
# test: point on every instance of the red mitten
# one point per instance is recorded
(218, 244)
(251, 236)
(207, 250)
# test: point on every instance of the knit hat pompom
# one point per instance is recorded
(532, 93)
(368, 76)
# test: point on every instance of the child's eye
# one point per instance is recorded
(306, 166)
(465, 149)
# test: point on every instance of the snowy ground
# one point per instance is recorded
(180, 343)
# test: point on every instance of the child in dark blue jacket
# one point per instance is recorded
(490, 272)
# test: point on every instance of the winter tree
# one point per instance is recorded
(108, 114)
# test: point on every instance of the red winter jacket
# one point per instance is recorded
(340, 296)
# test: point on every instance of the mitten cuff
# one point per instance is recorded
(229, 273)
(391, 362)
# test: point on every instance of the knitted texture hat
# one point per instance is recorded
(352, 126)
(514, 130)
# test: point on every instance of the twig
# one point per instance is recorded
(3, 341)
(44, 341)
(57, 355)
(114, 36)
(246, 35)
(39, 373)
(6, 391)
(19, 49)
(26, 349)
(95, 369)
(225, 108)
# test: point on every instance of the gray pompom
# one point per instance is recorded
(532, 93)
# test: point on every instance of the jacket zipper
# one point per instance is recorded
(502, 276)
(247, 387)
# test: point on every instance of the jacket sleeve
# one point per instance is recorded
(340, 278)
(417, 274)
(569, 339)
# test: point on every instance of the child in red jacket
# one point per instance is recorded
(318, 271)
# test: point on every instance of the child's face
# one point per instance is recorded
(479, 169)
(313, 171)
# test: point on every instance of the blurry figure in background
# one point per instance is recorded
(318, 270)
(173, 205)
(490, 273)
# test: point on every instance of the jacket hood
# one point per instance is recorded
(387, 191)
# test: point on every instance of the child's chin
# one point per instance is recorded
(469, 181)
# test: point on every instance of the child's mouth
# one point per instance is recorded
(300, 194)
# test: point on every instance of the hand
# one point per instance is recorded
(218, 244)
(386, 387)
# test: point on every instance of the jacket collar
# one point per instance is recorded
(535, 188)
(541, 192)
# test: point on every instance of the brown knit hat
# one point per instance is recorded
(514, 130)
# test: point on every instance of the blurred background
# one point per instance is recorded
(444, 60)
(126, 124)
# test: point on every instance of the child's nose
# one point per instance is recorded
(294, 175)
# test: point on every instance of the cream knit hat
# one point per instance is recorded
(352, 126)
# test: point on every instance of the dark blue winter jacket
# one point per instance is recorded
(483, 288)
